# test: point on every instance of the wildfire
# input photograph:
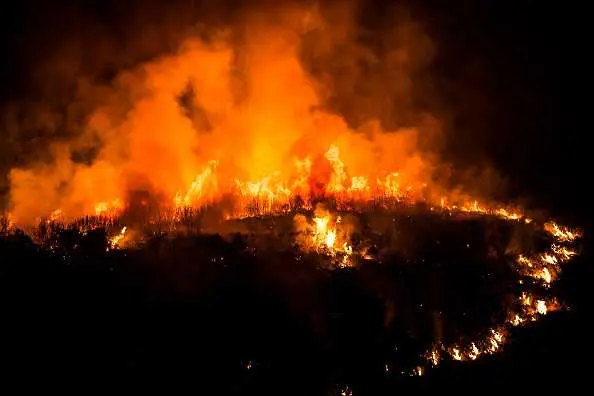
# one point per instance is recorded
(274, 193)
(203, 185)
(108, 208)
(563, 234)
(115, 241)
(529, 307)
(276, 152)
(325, 235)
(328, 234)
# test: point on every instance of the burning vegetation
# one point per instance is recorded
(356, 235)
(234, 133)
(243, 112)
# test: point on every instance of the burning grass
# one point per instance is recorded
(451, 281)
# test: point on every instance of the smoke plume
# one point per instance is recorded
(247, 98)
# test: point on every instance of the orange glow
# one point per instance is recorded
(254, 125)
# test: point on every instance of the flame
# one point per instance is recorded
(263, 138)
(561, 233)
(539, 267)
(326, 234)
(116, 240)
(108, 208)
(239, 117)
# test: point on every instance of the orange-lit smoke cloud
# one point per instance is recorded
(270, 89)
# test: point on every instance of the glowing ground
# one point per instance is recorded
(396, 292)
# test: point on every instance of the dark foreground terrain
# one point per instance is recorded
(223, 313)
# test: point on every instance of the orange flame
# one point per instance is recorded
(244, 118)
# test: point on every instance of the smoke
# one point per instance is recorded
(269, 86)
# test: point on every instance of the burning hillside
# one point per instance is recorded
(510, 260)
(238, 147)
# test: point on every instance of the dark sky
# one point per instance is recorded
(511, 73)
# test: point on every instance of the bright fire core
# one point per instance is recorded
(244, 118)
